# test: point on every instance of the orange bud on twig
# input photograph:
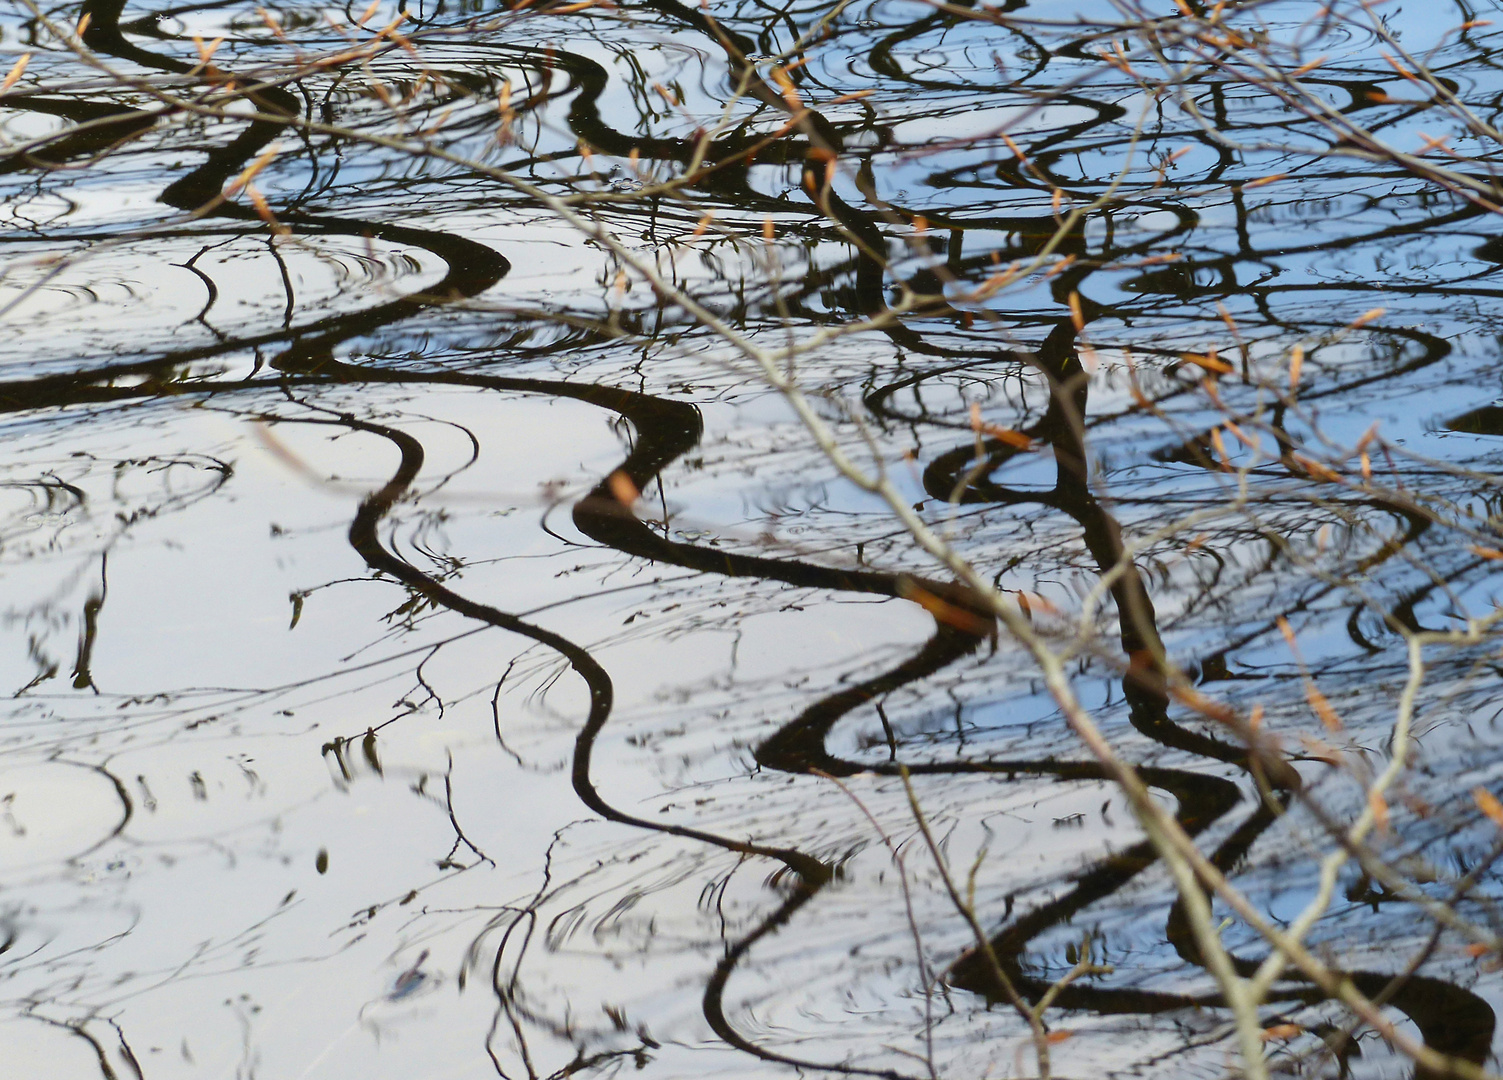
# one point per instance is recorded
(253, 169)
(271, 21)
(786, 85)
(1059, 267)
(1400, 68)
(623, 489)
(1282, 1031)
(206, 52)
(1379, 807)
(1318, 703)
(1220, 444)
(1207, 707)
(944, 611)
(1209, 361)
(1022, 157)
(1315, 468)
(15, 72)
(1002, 434)
(1489, 805)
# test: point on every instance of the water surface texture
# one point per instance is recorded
(431, 648)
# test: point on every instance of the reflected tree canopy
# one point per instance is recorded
(900, 539)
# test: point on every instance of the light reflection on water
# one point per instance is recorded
(277, 803)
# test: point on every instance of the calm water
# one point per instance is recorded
(352, 729)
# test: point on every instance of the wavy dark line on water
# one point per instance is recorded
(666, 429)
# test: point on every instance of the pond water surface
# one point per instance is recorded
(354, 727)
